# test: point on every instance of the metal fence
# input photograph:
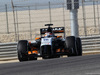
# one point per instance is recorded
(23, 21)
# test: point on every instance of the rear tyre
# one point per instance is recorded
(71, 45)
(22, 49)
(79, 46)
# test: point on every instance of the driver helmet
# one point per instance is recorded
(48, 34)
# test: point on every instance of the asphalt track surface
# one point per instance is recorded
(82, 65)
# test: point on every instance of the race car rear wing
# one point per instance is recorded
(55, 30)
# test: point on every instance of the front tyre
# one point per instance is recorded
(22, 49)
(70, 43)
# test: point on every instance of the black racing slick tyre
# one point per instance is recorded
(79, 46)
(22, 49)
(70, 43)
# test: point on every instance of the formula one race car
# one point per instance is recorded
(49, 45)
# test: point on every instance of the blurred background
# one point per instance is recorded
(22, 19)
